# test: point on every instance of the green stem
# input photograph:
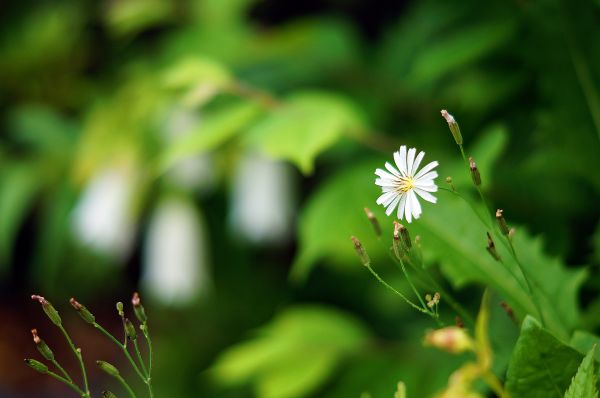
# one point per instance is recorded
(77, 353)
(150, 350)
(126, 386)
(139, 356)
(384, 283)
(123, 348)
(68, 383)
(64, 372)
(411, 284)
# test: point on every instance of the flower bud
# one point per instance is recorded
(108, 394)
(491, 248)
(138, 308)
(452, 339)
(502, 222)
(42, 346)
(474, 172)
(108, 368)
(120, 309)
(130, 330)
(373, 221)
(405, 237)
(396, 242)
(450, 183)
(360, 250)
(36, 365)
(83, 312)
(48, 309)
(454, 129)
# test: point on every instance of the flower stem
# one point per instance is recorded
(64, 372)
(126, 386)
(68, 383)
(139, 356)
(77, 353)
(123, 348)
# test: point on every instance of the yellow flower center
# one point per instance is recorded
(406, 184)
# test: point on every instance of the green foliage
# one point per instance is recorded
(541, 365)
(583, 384)
(294, 354)
(305, 125)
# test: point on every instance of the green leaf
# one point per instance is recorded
(584, 341)
(541, 365)
(293, 355)
(584, 382)
(196, 71)
(305, 125)
(214, 129)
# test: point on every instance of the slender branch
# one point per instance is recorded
(384, 283)
(68, 383)
(77, 353)
(139, 356)
(123, 348)
(64, 372)
(126, 386)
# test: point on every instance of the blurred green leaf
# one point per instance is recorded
(132, 16)
(306, 124)
(19, 183)
(214, 129)
(583, 342)
(294, 354)
(196, 71)
(541, 366)
(583, 384)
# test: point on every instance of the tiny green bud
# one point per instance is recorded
(36, 365)
(491, 248)
(474, 172)
(360, 250)
(373, 221)
(108, 368)
(138, 308)
(454, 129)
(108, 394)
(120, 309)
(83, 312)
(450, 183)
(48, 309)
(42, 346)
(502, 222)
(130, 330)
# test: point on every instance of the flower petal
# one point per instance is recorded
(386, 197)
(426, 195)
(431, 187)
(408, 209)
(429, 176)
(385, 183)
(416, 164)
(410, 160)
(428, 167)
(392, 170)
(384, 174)
(400, 159)
(392, 205)
(416, 205)
(401, 207)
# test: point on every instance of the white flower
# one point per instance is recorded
(401, 185)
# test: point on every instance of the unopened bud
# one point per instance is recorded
(397, 242)
(138, 308)
(42, 346)
(502, 222)
(130, 330)
(452, 339)
(108, 368)
(454, 129)
(491, 248)
(36, 365)
(48, 309)
(511, 233)
(120, 309)
(360, 250)
(474, 172)
(405, 237)
(108, 394)
(450, 183)
(373, 221)
(83, 312)
(428, 297)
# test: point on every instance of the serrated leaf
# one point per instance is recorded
(294, 354)
(305, 125)
(214, 129)
(541, 365)
(583, 384)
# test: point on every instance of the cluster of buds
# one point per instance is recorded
(432, 301)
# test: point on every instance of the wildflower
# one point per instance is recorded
(401, 184)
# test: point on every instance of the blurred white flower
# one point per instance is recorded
(103, 218)
(263, 200)
(401, 185)
(176, 268)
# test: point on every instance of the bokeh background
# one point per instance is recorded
(216, 155)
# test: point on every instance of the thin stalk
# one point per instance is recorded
(64, 372)
(146, 333)
(68, 383)
(139, 356)
(492, 381)
(126, 386)
(77, 353)
(384, 283)
(411, 284)
(123, 348)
